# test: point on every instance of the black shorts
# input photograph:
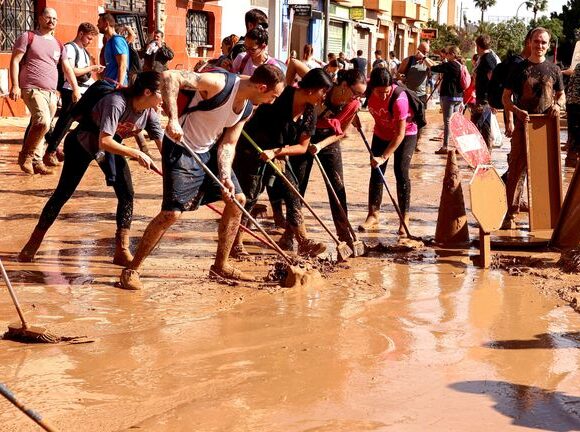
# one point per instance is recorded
(185, 185)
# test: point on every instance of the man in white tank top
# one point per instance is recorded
(212, 133)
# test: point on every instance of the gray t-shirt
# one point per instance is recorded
(416, 77)
(115, 116)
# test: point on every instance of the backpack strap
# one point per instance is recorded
(77, 54)
(248, 109)
(394, 96)
(216, 101)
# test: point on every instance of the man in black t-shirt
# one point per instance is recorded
(485, 65)
(534, 87)
(359, 62)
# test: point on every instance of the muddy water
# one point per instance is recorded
(387, 344)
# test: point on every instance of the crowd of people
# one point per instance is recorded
(296, 111)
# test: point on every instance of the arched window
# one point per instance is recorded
(16, 17)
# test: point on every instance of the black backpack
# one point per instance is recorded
(498, 80)
(134, 62)
(417, 106)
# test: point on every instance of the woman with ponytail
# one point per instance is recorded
(395, 133)
(118, 115)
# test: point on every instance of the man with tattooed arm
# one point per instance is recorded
(210, 129)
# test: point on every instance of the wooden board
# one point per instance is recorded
(567, 232)
(544, 171)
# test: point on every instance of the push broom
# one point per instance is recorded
(343, 250)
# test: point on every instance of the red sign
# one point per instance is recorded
(428, 33)
(468, 141)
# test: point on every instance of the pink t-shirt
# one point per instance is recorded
(385, 123)
(38, 70)
(249, 66)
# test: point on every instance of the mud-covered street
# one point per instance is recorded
(396, 341)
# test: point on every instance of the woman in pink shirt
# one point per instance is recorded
(394, 133)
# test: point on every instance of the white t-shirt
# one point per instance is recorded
(83, 61)
(202, 129)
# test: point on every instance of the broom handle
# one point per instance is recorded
(292, 188)
(335, 196)
(397, 209)
(239, 205)
(13, 295)
(156, 169)
(244, 228)
(33, 415)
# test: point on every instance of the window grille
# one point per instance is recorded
(16, 17)
(197, 29)
(136, 6)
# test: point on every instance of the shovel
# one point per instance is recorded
(343, 250)
(295, 276)
(33, 415)
(358, 247)
(397, 209)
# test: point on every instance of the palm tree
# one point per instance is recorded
(483, 5)
(537, 6)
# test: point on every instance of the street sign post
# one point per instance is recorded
(488, 205)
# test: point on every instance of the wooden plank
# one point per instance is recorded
(544, 171)
(484, 249)
(567, 232)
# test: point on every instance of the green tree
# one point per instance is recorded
(446, 35)
(483, 5)
(554, 25)
(537, 6)
(570, 17)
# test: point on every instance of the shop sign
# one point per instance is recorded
(357, 13)
(303, 10)
(429, 33)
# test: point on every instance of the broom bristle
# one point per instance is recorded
(30, 335)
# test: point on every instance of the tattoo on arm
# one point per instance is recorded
(226, 153)
(171, 82)
(190, 80)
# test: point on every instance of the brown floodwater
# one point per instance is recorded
(391, 342)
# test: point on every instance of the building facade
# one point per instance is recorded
(192, 29)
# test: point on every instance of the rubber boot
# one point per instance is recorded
(40, 168)
(29, 250)
(25, 162)
(402, 232)
(286, 241)
(122, 256)
(307, 247)
(371, 222)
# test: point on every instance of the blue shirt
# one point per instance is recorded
(115, 46)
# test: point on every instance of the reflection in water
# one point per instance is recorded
(528, 406)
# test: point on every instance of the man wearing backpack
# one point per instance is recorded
(486, 63)
(34, 77)
(414, 71)
(209, 125)
(115, 53)
(78, 56)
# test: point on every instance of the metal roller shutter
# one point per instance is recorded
(335, 37)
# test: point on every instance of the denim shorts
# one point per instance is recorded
(185, 185)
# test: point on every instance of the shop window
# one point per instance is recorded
(131, 13)
(136, 6)
(16, 17)
(197, 31)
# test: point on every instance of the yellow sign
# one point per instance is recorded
(357, 13)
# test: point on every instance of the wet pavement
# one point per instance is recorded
(390, 342)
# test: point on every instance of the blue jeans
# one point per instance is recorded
(449, 106)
